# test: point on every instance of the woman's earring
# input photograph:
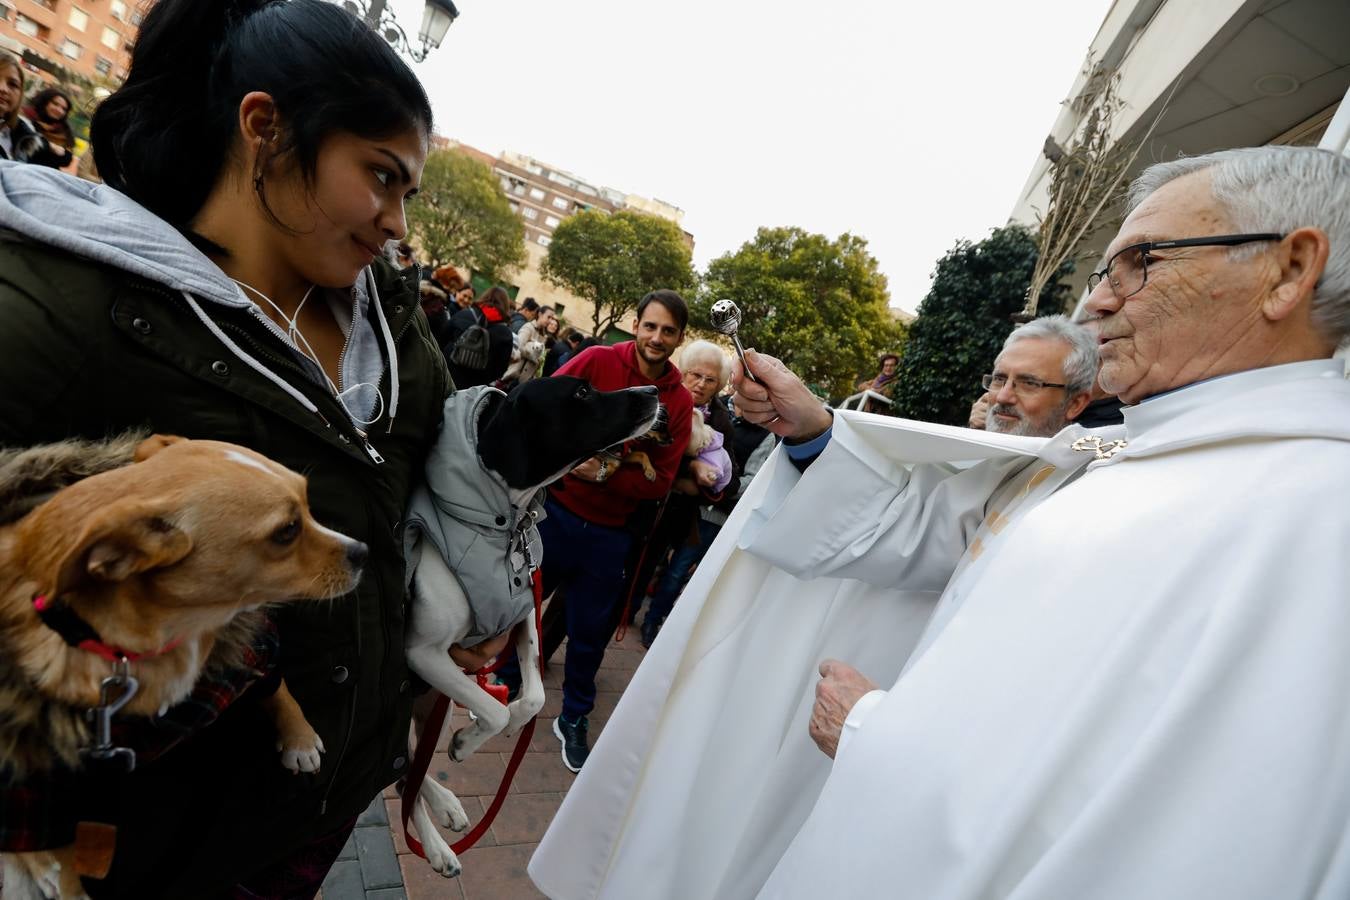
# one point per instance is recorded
(258, 166)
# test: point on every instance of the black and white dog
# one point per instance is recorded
(483, 498)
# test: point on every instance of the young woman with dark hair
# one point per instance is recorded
(48, 112)
(233, 287)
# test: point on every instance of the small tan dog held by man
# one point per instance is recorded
(995, 714)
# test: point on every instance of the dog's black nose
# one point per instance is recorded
(357, 553)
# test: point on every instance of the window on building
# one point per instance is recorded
(515, 207)
(518, 190)
(544, 240)
(71, 49)
(78, 19)
(4, 12)
(536, 194)
(529, 212)
(562, 203)
(102, 65)
(119, 10)
(136, 18)
(111, 38)
(26, 26)
(551, 221)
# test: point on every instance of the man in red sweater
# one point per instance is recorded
(585, 541)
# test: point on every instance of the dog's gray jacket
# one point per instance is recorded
(465, 511)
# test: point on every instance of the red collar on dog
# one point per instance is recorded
(80, 634)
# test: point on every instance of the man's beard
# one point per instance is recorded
(645, 351)
(1048, 425)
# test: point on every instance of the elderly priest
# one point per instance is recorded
(1118, 660)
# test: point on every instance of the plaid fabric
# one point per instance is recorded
(40, 812)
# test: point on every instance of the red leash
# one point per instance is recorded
(431, 732)
(622, 630)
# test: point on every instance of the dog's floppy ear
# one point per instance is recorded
(155, 443)
(122, 540)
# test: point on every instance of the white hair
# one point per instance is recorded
(1278, 189)
(1080, 366)
(707, 352)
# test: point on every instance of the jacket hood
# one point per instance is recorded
(628, 353)
(102, 224)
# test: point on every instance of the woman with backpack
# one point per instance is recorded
(479, 343)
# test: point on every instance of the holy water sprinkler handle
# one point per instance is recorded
(725, 317)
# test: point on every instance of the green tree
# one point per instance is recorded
(613, 260)
(964, 320)
(461, 217)
(819, 305)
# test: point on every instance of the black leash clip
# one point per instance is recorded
(116, 692)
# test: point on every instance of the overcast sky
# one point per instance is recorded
(911, 125)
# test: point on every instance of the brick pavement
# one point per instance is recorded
(377, 865)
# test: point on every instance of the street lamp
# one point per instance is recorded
(436, 19)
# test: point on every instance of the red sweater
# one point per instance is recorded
(611, 502)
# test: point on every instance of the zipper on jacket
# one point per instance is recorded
(293, 366)
(388, 367)
(374, 454)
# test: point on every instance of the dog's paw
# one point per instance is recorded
(442, 858)
(459, 748)
(649, 473)
(443, 806)
(301, 753)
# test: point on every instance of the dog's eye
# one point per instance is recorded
(287, 533)
(582, 392)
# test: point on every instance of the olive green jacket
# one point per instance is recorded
(89, 349)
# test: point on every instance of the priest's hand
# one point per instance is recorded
(840, 687)
(779, 400)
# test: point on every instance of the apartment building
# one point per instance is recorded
(63, 41)
(543, 196)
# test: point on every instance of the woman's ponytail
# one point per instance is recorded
(163, 136)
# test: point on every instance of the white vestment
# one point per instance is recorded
(1136, 686)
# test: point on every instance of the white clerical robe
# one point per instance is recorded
(1135, 684)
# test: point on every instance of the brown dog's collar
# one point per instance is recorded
(78, 633)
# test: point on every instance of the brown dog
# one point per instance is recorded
(157, 562)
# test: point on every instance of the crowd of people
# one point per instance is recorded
(245, 275)
(37, 131)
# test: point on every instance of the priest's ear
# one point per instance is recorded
(1077, 403)
(1301, 257)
